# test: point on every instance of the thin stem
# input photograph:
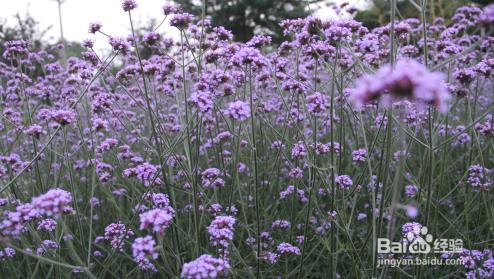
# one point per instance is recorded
(256, 182)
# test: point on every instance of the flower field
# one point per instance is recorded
(200, 157)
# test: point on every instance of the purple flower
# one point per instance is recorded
(487, 15)
(359, 155)
(53, 203)
(344, 181)
(143, 250)
(202, 100)
(34, 131)
(317, 103)
(129, 5)
(337, 33)
(205, 267)
(290, 189)
(221, 232)
(14, 223)
(299, 150)
(211, 178)
(181, 20)
(238, 110)
(412, 211)
(296, 173)
(169, 9)
(47, 225)
(159, 200)
(94, 27)
(411, 230)
(17, 48)
(479, 177)
(411, 190)
(270, 257)
(87, 43)
(158, 220)
(259, 41)
(281, 224)
(119, 44)
(486, 128)
(116, 233)
(248, 56)
(47, 245)
(464, 76)
(7, 252)
(63, 117)
(151, 38)
(287, 248)
(407, 80)
(145, 172)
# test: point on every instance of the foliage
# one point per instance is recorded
(246, 18)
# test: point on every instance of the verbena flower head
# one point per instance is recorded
(94, 27)
(143, 251)
(271, 257)
(120, 44)
(221, 230)
(411, 230)
(407, 80)
(34, 131)
(287, 248)
(317, 103)
(158, 220)
(117, 233)
(248, 56)
(181, 20)
(53, 203)
(47, 225)
(281, 224)
(211, 178)
(479, 177)
(205, 267)
(359, 155)
(129, 5)
(15, 222)
(487, 15)
(238, 110)
(7, 252)
(344, 181)
(411, 190)
(202, 100)
(299, 150)
(63, 117)
(16, 48)
(169, 9)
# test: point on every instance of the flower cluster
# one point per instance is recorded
(158, 220)
(206, 266)
(53, 203)
(116, 233)
(143, 251)
(408, 79)
(221, 232)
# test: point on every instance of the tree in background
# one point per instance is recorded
(377, 12)
(246, 18)
(28, 29)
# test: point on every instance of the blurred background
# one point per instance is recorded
(47, 23)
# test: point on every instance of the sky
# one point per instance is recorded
(77, 14)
